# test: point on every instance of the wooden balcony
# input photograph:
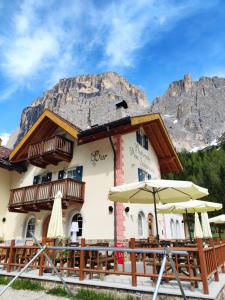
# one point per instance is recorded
(40, 196)
(50, 151)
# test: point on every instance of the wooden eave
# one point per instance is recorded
(155, 130)
(44, 127)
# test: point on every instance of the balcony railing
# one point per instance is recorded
(50, 151)
(40, 196)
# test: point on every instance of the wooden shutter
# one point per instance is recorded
(61, 174)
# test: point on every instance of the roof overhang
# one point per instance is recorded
(44, 127)
(155, 130)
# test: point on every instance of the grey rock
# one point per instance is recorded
(87, 100)
(193, 111)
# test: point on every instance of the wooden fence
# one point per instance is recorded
(200, 264)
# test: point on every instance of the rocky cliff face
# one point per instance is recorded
(193, 111)
(87, 100)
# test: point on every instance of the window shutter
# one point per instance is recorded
(138, 137)
(79, 173)
(145, 142)
(49, 176)
(61, 174)
(36, 179)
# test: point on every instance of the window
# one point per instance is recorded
(75, 173)
(142, 139)
(42, 178)
(77, 224)
(143, 175)
(141, 224)
(30, 228)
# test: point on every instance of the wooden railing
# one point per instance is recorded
(55, 143)
(71, 189)
(197, 266)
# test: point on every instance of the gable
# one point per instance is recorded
(43, 128)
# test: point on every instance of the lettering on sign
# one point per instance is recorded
(97, 156)
(142, 157)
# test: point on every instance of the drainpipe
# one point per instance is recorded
(114, 167)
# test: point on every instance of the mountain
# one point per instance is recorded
(193, 111)
(87, 100)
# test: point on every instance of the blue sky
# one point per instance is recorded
(150, 42)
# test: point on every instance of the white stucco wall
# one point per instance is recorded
(5, 178)
(98, 176)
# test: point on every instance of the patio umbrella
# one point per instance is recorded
(189, 207)
(55, 228)
(207, 233)
(198, 228)
(155, 191)
(218, 220)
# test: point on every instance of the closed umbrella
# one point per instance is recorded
(197, 229)
(207, 233)
(156, 191)
(189, 207)
(55, 228)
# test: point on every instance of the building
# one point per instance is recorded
(56, 155)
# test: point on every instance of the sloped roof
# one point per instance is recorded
(45, 125)
(5, 163)
(153, 125)
(154, 129)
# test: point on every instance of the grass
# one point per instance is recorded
(82, 294)
(4, 280)
(25, 284)
(22, 284)
(58, 291)
(92, 295)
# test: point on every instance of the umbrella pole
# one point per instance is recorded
(189, 228)
(156, 217)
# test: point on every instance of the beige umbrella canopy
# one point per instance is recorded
(55, 228)
(218, 220)
(190, 207)
(155, 191)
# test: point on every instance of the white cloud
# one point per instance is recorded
(48, 40)
(135, 23)
(4, 137)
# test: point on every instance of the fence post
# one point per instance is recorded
(11, 250)
(82, 260)
(133, 262)
(203, 268)
(214, 258)
(42, 259)
(222, 247)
